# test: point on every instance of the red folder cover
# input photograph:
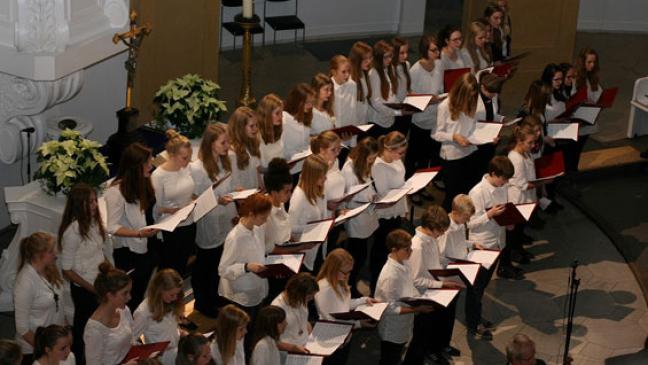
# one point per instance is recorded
(510, 216)
(430, 169)
(502, 70)
(607, 97)
(143, 352)
(349, 129)
(550, 165)
(277, 271)
(451, 76)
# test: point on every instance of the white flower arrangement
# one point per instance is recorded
(188, 103)
(68, 161)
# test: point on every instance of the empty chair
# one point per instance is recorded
(283, 22)
(638, 121)
(232, 26)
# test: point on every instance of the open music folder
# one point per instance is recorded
(352, 191)
(351, 213)
(419, 180)
(352, 129)
(327, 337)
(515, 214)
(243, 194)
(459, 272)
(147, 351)
(297, 359)
(281, 265)
(485, 132)
(299, 156)
(563, 130)
(363, 312)
(417, 103)
(170, 222)
(432, 297)
(485, 258)
(550, 166)
(451, 76)
(392, 197)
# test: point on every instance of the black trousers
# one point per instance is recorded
(177, 247)
(205, 280)
(572, 152)
(422, 150)
(376, 131)
(379, 250)
(357, 247)
(142, 266)
(483, 155)
(459, 176)
(391, 353)
(85, 303)
(474, 295)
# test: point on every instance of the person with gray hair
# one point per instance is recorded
(521, 351)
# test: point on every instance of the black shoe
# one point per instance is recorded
(437, 359)
(526, 239)
(519, 257)
(488, 324)
(452, 351)
(481, 333)
(509, 272)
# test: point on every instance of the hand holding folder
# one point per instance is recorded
(143, 352)
(515, 214)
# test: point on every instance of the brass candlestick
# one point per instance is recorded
(246, 98)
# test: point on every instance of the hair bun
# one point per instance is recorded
(171, 133)
(105, 267)
(278, 166)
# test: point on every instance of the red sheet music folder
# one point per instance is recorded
(143, 352)
(550, 165)
(451, 76)
(511, 215)
(607, 97)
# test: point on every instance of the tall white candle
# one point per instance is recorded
(248, 9)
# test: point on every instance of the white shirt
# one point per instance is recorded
(334, 184)
(362, 109)
(378, 112)
(322, 121)
(388, 176)
(212, 229)
(448, 64)
(277, 228)
(296, 138)
(453, 243)
(269, 151)
(173, 189)
(468, 61)
(480, 112)
(394, 282)
(592, 97)
(364, 224)
(248, 177)
(297, 319)
(328, 301)
(345, 106)
(126, 215)
(81, 255)
(425, 256)
(108, 346)
(237, 359)
(71, 360)
(242, 246)
(426, 82)
(483, 230)
(35, 305)
(447, 128)
(266, 352)
(153, 331)
(300, 212)
(402, 91)
(518, 186)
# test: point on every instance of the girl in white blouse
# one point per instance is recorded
(345, 94)
(388, 173)
(520, 188)
(38, 293)
(212, 166)
(231, 328)
(552, 79)
(308, 202)
(501, 25)
(194, 349)
(53, 346)
(361, 58)
(244, 136)
(157, 316)
(323, 112)
(270, 324)
(587, 76)
(174, 189)
(475, 52)
(270, 120)
(357, 170)
(455, 124)
(384, 87)
(244, 255)
(108, 335)
(129, 202)
(300, 290)
(450, 40)
(82, 239)
(402, 79)
(297, 121)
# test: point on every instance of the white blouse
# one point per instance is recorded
(239, 354)
(388, 176)
(35, 304)
(71, 360)
(518, 185)
(426, 82)
(453, 243)
(297, 319)
(394, 282)
(402, 91)
(153, 331)
(362, 107)
(108, 346)
(346, 103)
(447, 128)
(81, 255)
(334, 184)
(296, 138)
(480, 112)
(266, 352)
(269, 151)
(328, 301)
(248, 177)
(425, 256)
(449, 64)
(127, 215)
(378, 112)
(300, 213)
(242, 246)
(364, 224)
(277, 228)
(468, 61)
(322, 121)
(483, 230)
(173, 189)
(212, 229)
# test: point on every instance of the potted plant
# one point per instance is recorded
(188, 103)
(69, 160)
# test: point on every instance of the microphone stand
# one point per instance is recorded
(29, 132)
(574, 282)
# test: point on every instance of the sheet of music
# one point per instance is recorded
(485, 133)
(484, 257)
(294, 359)
(170, 222)
(441, 296)
(293, 261)
(418, 181)
(563, 131)
(374, 311)
(204, 204)
(469, 271)
(393, 196)
(243, 194)
(315, 232)
(351, 213)
(327, 337)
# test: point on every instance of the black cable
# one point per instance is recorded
(22, 176)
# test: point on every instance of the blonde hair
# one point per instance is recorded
(35, 245)
(332, 266)
(162, 281)
(391, 141)
(359, 156)
(473, 30)
(319, 81)
(324, 140)
(205, 154)
(229, 319)
(336, 62)
(270, 133)
(314, 169)
(463, 96)
(462, 204)
(242, 144)
(176, 141)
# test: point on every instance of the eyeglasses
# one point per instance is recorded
(456, 39)
(345, 273)
(435, 50)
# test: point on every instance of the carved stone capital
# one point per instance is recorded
(117, 12)
(42, 26)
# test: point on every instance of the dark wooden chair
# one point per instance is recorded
(283, 22)
(234, 27)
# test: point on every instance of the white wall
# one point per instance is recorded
(613, 15)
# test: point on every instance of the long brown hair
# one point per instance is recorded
(359, 156)
(267, 323)
(319, 81)
(380, 49)
(536, 99)
(332, 266)
(35, 245)
(582, 75)
(314, 169)
(242, 144)
(299, 287)
(229, 319)
(397, 43)
(463, 96)
(162, 281)
(77, 208)
(323, 141)
(133, 185)
(296, 101)
(473, 30)
(424, 45)
(210, 135)
(110, 280)
(270, 133)
(358, 52)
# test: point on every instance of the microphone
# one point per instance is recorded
(28, 130)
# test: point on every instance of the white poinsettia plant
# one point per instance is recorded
(70, 160)
(188, 103)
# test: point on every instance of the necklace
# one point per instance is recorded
(54, 293)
